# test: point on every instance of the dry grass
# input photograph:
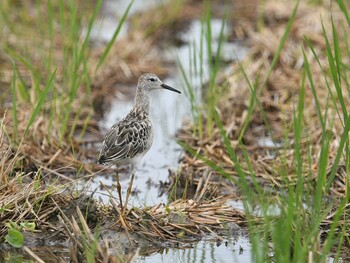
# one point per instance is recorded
(27, 170)
(43, 148)
(185, 220)
(26, 196)
(36, 173)
(174, 225)
(278, 100)
(56, 212)
(274, 165)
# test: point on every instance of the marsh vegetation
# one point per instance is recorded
(269, 131)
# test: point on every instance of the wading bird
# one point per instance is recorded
(130, 139)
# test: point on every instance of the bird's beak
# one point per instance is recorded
(169, 88)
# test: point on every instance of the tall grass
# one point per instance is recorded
(203, 58)
(59, 97)
(295, 234)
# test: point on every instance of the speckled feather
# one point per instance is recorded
(128, 140)
(131, 136)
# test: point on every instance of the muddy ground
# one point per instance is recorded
(66, 220)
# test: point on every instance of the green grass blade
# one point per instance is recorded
(51, 36)
(322, 171)
(335, 75)
(330, 241)
(281, 43)
(78, 57)
(40, 101)
(336, 48)
(252, 102)
(22, 87)
(189, 92)
(344, 140)
(89, 29)
(14, 103)
(15, 56)
(330, 93)
(298, 133)
(312, 85)
(80, 53)
(344, 9)
(256, 184)
(116, 33)
(243, 182)
(208, 162)
(208, 31)
(188, 87)
(256, 92)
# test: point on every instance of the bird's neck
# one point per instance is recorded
(142, 101)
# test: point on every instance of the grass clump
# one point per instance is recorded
(281, 139)
(48, 65)
(50, 73)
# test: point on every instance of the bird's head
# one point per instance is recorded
(150, 81)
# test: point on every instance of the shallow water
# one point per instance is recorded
(205, 251)
(168, 111)
(105, 25)
(166, 115)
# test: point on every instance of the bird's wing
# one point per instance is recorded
(124, 140)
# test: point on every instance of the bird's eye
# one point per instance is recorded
(152, 79)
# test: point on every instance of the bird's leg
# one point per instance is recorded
(130, 185)
(119, 190)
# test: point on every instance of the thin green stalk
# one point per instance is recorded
(322, 171)
(208, 162)
(40, 102)
(49, 61)
(252, 102)
(312, 85)
(344, 9)
(280, 45)
(79, 56)
(195, 109)
(330, 241)
(332, 62)
(114, 37)
(14, 104)
(298, 133)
